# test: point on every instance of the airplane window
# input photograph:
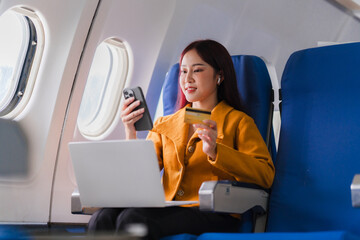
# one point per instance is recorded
(14, 42)
(95, 85)
(102, 94)
(22, 44)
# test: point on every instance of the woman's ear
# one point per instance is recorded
(220, 78)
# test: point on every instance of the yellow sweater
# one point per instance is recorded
(242, 154)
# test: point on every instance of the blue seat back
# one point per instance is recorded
(170, 90)
(254, 87)
(319, 145)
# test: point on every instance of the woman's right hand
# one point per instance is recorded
(129, 116)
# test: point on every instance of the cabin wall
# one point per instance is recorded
(144, 38)
(155, 32)
(272, 30)
(27, 200)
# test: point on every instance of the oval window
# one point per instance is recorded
(102, 94)
(22, 42)
(13, 48)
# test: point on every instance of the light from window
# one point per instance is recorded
(102, 94)
(95, 85)
(13, 47)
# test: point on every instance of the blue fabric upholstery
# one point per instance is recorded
(184, 236)
(279, 236)
(254, 87)
(7, 233)
(318, 150)
(319, 142)
(170, 90)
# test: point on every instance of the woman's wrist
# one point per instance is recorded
(130, 134)
(212, 156)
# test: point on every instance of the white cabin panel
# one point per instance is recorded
(141, 26)
(65, 24)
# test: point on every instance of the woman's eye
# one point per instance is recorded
(182, 71)
(198, 70)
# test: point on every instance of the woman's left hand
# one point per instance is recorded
(207, 132)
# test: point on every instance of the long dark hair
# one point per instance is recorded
(216, 55)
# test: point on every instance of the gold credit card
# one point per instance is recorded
(194, 115)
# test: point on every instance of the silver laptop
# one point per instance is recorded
(121, 173)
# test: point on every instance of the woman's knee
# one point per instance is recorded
(130, 216)
(138, 221)
(103, 220)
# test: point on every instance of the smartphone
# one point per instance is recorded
(144, 123)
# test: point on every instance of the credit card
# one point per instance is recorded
(194, 115)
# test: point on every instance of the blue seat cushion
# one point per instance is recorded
(331, 235)
(9, 232)
(183, 236)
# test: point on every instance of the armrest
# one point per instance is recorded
(355, 191)
(77, 208)
(232, 197)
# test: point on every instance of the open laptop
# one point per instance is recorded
(120, 173)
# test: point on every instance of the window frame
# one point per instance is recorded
(106, 117)
(26, 63)
(30, 64)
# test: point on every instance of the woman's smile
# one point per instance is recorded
(198, 81)
(190, 89)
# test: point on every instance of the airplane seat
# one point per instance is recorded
(11, 232)
(256, 92)
(170, 90)
(318, 148)
(319, 133)
(255, 88)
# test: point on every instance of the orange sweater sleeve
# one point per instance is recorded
(156, 138)
(250, 160)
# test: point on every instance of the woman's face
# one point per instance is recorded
(198, 81)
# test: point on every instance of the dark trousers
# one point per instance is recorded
(162, 222)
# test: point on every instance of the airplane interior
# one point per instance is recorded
(64, 66)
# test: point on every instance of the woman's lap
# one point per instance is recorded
(162, 221)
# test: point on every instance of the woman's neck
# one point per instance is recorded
(206, 106)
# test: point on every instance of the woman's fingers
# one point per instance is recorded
(127, 102)
(132, 117)
(208, 128)
(128, 114)
(207, 132)
(129, 106)
(207, 124)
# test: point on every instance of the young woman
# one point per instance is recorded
(227, 147)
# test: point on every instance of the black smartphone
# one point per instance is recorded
(144, 123)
